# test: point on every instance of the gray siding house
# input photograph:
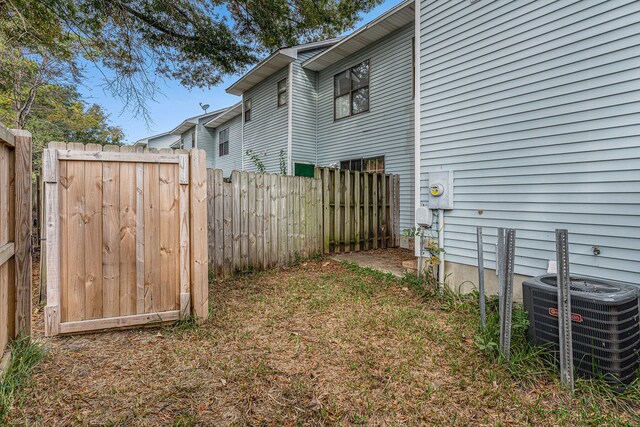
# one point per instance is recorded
(290, 108)
(534, 107)
(192, 132)
(382, 135)
(225, 151)
(273, 106)
(163, 140)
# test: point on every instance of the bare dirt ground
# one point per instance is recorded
(319, 344)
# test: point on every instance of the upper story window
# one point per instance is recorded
(351, 91)
(247, 110)
(193, 140)
(282, 92)
(223, 142)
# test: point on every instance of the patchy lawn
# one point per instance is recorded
(319, 344)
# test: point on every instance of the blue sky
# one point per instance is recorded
(176, 102)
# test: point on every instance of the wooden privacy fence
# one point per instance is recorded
(15, 238)
(258, 221)
(360, 210)
(125, 237)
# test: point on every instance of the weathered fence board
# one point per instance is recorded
(360, 210)
(269, 220)
(15, 238)
(126, 237)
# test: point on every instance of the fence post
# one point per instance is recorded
(23, 231)
(198, 217)
(564, 309)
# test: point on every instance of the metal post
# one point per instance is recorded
(483, 313)
(500, 261)
(564, 309)
(510, 245)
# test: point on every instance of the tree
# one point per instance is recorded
(196, 42)
(59, 114)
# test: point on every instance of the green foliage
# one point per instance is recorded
(25, 355)
(283, 162)
(257, 162)
(195, 42)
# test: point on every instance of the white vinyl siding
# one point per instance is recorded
(535, 107)
(266, 132)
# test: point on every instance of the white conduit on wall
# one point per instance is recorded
(441, 246)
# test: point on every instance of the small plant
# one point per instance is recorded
(257, 162)
(283, 162)
(25, 354)
(297, 258)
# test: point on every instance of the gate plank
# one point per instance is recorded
(111, 236)
(93, 236)
(127, 236)
(152, 291)
(227, 231)
(198, 221)
(119, 322)
(75, 260)
(169, 211)
(140, 239)
(347, 211)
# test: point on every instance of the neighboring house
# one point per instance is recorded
(345, 102)
(162, 140)
(279, 103)
(226, 150)
(193, 134)
(535, 107)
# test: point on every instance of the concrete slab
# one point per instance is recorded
(385, 260)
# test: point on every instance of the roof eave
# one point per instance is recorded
(352, 43)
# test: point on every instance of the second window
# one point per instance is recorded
(351, 91)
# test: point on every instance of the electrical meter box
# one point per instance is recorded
(424, 216)
(441, 190)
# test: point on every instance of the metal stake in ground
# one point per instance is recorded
(483, 315)
(505, 321)
(564, 309)
(500, 261)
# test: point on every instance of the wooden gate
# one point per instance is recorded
(15, 239)
(126, 237)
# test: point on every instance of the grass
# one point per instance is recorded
(25, 355)
(319, 344)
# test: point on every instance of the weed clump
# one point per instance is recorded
(25, 354)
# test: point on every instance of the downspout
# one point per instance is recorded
(289, 118)
(416, 119)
